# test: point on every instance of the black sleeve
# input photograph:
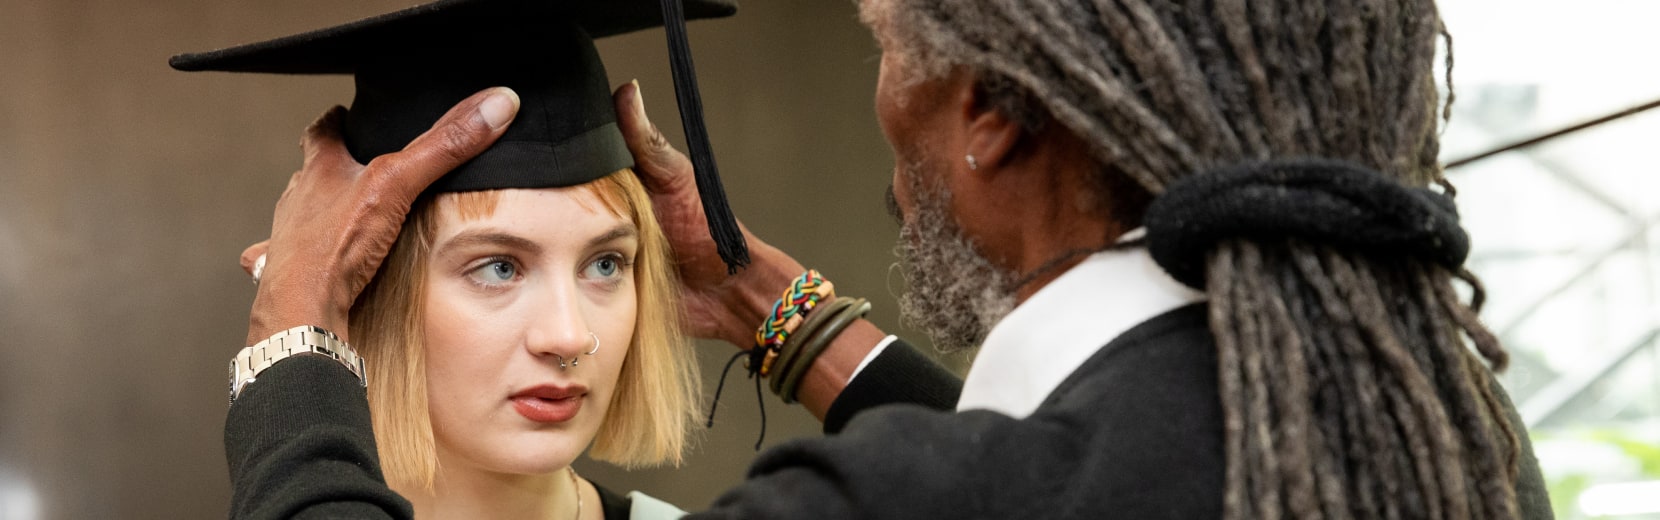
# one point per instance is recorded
(1136, 433)
(905, 462)
(1532, 497)
(616, 506)
(899, 375)
(300, 445)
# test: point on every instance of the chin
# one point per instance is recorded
(525, 452)
(545, 451)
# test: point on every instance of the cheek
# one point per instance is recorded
(458, 360)
(445, 324)
(897, 101)
(614, 323)
(888, 103)
(891, 116)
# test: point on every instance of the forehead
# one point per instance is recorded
(543, 214)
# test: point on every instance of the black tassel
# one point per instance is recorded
(723, 227)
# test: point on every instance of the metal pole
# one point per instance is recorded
(1554, 134)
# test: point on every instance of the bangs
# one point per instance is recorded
(470, 205)
(474, 205)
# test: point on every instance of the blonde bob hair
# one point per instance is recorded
(652, 407)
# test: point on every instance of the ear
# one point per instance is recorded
(992, 136)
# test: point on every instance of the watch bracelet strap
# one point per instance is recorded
(304, 339)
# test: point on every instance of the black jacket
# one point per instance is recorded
(1135, 432)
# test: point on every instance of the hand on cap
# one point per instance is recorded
(717, 305)
(338, 219)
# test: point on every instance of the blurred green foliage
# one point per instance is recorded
(1566, 486)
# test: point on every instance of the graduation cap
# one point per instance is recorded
(413, 65)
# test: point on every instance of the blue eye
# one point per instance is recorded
(499, 271)
(605, 267)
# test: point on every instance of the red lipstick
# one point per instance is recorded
(548, 403)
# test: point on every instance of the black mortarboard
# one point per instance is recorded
(412, 65)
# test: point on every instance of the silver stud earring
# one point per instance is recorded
(972, 164)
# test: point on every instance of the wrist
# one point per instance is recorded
(833, 369)
(755, 290)
(280, 305)
(250, 363)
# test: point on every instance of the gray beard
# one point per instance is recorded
(953, 294)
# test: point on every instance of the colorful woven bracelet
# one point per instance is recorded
(791, 349)
(798, 299)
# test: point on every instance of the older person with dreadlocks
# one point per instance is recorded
(1199, 244)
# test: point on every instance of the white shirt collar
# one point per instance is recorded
(1051, 334)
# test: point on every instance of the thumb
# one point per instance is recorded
(464, 132)
(657, 163)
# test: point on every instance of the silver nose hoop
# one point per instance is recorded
(563, 363)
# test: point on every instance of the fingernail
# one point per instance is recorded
(499, 108)
(639, 101)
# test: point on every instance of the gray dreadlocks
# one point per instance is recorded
(1347, 386)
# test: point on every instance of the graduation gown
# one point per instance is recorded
(1134, 432)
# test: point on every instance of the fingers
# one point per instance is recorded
(658, 164)
(252, 254)
(464, 132)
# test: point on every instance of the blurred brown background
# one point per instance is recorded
(127, 191)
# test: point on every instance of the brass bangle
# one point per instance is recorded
(791, 348)
(817, 343)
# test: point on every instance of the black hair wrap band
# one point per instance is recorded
(1320, 201)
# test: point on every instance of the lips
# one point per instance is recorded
(549, 404)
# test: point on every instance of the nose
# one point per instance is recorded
(558, 331)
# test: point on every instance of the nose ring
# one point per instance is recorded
(563, 364)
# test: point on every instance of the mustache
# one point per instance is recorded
(893, 206)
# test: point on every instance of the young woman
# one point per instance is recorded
(525, 312)
(511, 329)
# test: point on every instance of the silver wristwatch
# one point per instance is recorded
(304, 339)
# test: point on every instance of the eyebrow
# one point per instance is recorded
(623, 230)
(511, 241)
(491, 238)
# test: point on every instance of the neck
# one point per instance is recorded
(1044, 215)
(1044, 264)
(464, 492)
(1065, 231)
